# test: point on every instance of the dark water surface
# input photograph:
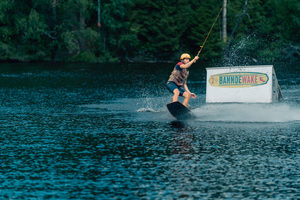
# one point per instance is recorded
(103, 132)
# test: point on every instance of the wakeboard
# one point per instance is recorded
(179, 111)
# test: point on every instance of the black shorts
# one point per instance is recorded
(171, 86)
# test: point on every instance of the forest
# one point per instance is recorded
(103, 31)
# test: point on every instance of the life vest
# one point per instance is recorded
(179, 75)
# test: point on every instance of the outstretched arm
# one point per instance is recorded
(187, 90)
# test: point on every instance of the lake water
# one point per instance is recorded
(103, 132)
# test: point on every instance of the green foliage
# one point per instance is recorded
(142, 30)
(160, 26)
(269, 27)
(201, 22)
(33, 36)
(6, 30)
(120, 39)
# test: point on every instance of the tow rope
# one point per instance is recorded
(201, 47)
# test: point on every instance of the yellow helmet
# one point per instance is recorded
(185, 55)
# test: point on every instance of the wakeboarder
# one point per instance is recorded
(177, 83)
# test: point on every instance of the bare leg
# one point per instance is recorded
(176, 95)
(187, 97)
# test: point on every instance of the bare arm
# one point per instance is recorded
(186, 88)
(188, 91)
(187, 65)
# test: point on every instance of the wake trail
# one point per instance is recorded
(248, 112)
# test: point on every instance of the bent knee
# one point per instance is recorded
(187, 95)
(176, 92)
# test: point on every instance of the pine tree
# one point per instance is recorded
(119, 38)
(6, 29)
(160, 26)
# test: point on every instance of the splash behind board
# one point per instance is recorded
(179, 111)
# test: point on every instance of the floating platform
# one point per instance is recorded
(242, 84)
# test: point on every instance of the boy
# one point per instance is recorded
(178, 79)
